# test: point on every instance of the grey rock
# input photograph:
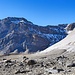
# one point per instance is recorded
(8, 61)
(71, 65)
(23, 71)
(59, 70)
(70, 27)
(31, 62)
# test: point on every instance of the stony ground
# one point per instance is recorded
(62, 64)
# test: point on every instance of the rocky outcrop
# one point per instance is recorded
(22, 35)
(70, 27)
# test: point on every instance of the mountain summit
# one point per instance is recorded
(19, 34)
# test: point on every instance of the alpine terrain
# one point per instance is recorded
(20, 35)
(58, 59)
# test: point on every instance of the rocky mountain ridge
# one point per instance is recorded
(20, 35)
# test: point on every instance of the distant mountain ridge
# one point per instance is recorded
(21, 35)
(66, 45)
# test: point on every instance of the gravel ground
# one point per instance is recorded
(31, 64)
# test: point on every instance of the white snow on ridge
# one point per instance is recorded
(67, 43)
(22, 21)
(18, 21)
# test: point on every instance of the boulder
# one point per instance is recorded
(8, 61)
(31, 62)
(71, 65)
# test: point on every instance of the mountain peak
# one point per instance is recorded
(16, 20)
(19, 33)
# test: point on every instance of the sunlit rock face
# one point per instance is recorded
(21, 35)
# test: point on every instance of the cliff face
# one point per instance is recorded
(21, 35)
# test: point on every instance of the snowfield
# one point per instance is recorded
(68, 43)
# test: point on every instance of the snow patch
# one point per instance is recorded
(67, 43)
(18, 21)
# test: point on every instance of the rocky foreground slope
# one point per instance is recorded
(20, 35)
(31, 64)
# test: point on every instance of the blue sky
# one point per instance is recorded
(40, 12)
